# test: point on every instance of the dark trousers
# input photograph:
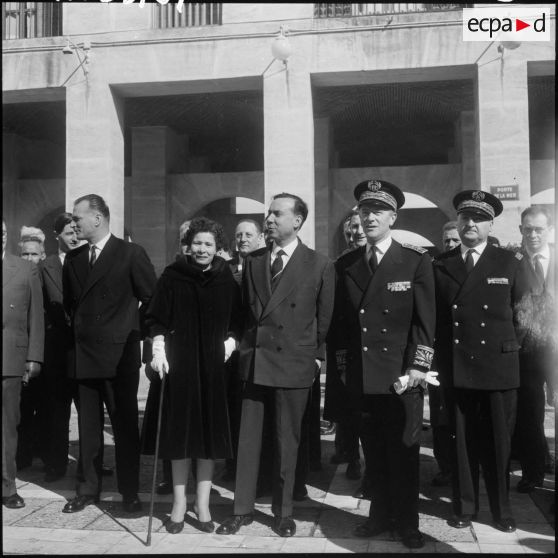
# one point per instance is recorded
(120, 397)
(346, 436)
(529, 429)
(11, 391)
(390, 432)
(440, 428)
(287, 408)
(234, 400)
(483, 423)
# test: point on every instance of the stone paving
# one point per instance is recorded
(324, 521)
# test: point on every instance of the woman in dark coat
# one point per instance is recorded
(192, 321)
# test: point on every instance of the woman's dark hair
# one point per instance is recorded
(201, 225)
(61, 221)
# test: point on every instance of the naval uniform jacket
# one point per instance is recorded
(477, 338)
(383, 323)
(284, 331)
(103, 306)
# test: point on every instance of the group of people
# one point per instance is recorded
(240, 344)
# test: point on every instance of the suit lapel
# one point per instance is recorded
(359, 271)
(391, 259)
(455, 266)
(9, 268)
(261, 277)
(106, 259)
(53, 268)
(289, 278)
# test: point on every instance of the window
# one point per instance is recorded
(27, 20)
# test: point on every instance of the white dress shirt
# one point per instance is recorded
(99, 246)
(61, 256)
(288, 249)
(543, 257)
(381, 249)
(477, 251)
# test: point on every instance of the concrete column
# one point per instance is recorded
(503, 135)
(289, 140)
(322, 156)
(156, 150)
(95, 148)
(467, 142)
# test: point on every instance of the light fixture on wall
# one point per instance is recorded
(281, 48)
(508, 45)
(82, 53)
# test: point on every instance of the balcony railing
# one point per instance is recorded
(193, 14)
(27, 20)
(352, 10)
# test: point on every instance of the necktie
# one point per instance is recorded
(93, 257)
(469, 262)
(539, 271)
(373, 260)
(276, 269)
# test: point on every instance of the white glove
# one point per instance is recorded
(159, 362)
(401, 385)
(230, 346)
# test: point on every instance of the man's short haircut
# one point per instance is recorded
(97, 203)
(255, 223)
(61, 221)
(538, 210)
(300, 207)
(31, 233)
(449, 226)
(203, 224)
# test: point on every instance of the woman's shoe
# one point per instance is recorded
(174, 527)
(206, 526)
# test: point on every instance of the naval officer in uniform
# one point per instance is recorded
(477, 343)
(383, 328)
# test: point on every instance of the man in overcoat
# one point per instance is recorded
(288, 299)
(477, 287)
(22, 354)
(383, 328)
(104, 282)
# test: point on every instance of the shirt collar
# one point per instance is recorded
(288, 248)
(381, 246)
(101, 244)
(543, 254)
(479, 249)
(61, 255)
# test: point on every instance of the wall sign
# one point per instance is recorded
(509, 192)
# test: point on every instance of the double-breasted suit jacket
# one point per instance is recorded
(477, 338)
(385, 321)
(103, 306)
(284, 331)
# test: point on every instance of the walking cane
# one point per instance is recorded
(156, 458)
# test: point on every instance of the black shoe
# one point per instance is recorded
(412, 538)
(460, 521)
(131, 504)
(233, 523)
(338, 458)
(363, 492)
(371, 528)
(52, 475)
(506, 524)
(164, 487)
(285, 526)
(79, 503)
(353, 470)
(13, 502)
(525, 486)
(206, 526)
(106, 471)
(300, 494)
(441, 479)
(174, 527)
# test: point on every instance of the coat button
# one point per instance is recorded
(364, 349)
(454, 306)
(472, 357)
(386, 311)
(455, 324)
(456, 341)
(384, 330)
(483, 342)
(485, 307)
(365, 329)
(362, 310)
(483, 324)
(384, 349)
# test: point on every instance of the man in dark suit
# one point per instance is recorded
(477, 286)
(288, 299)
(22, 354)
(537, 357)
(383, 329)
(103, 283)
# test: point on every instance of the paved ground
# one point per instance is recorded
(324, 522)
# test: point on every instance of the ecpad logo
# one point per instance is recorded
(505, 23)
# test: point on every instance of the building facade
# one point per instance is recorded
(172, 114)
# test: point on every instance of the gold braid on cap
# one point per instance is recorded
(381, 196)
(471, 204)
